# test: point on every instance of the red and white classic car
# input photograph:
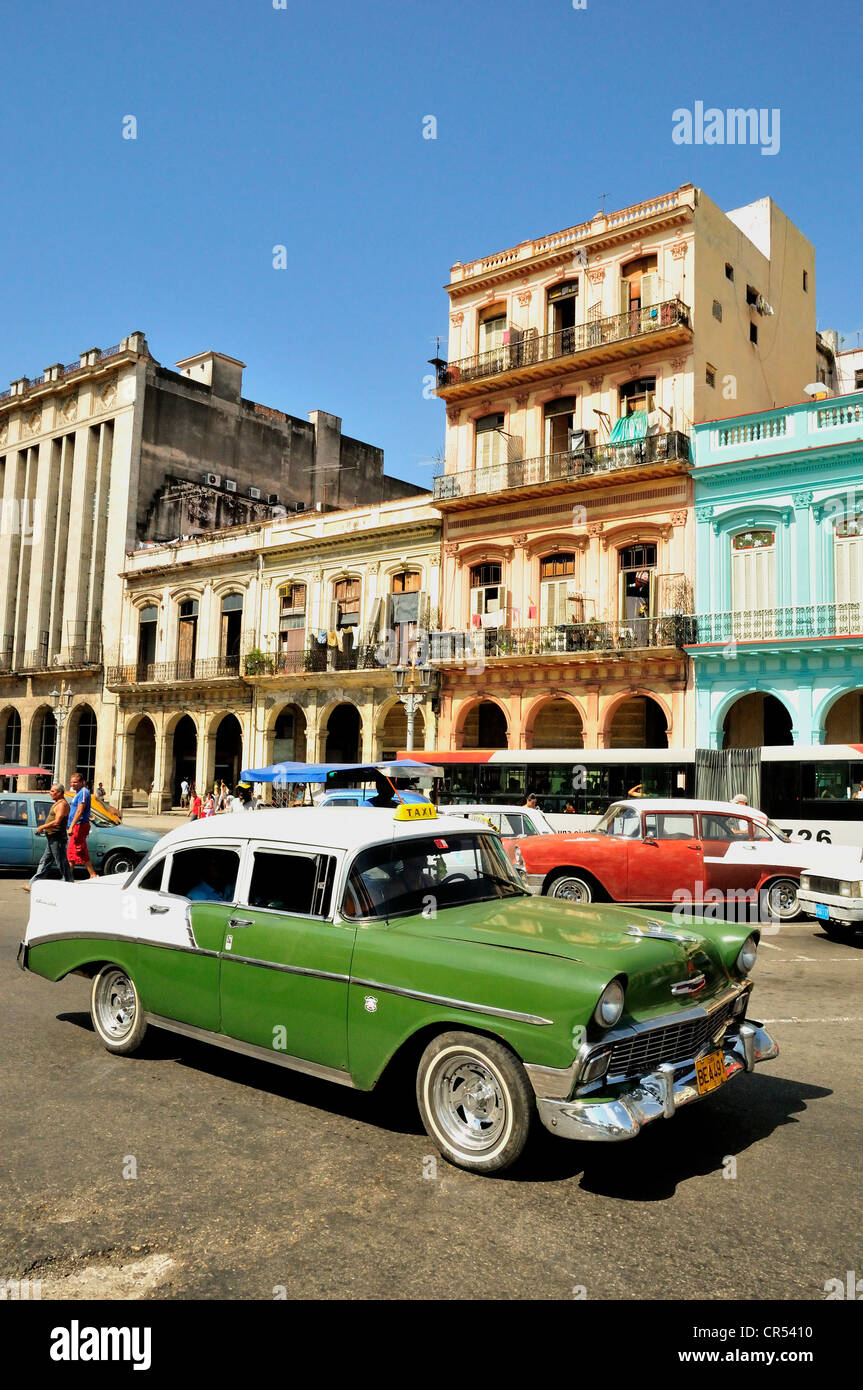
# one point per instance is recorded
(658, 852)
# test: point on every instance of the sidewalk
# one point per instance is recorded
(169, 820)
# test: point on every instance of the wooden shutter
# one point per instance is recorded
(624, 296)
(848, 565)
(649, 289)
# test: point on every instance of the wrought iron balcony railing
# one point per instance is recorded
(567, 342)
(169, 672)
(317, 657)
(765, 624)
(552, 468)
(626, 634)
(70, 658)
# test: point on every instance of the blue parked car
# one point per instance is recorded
(114, 849)
(364, 796)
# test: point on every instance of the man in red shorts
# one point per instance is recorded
(79, 825)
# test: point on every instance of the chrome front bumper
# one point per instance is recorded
(848, 911)
(654, 1096)
(532, 882)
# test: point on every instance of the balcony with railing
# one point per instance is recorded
(557, 472)
(534, 358)
(316, 659)
(84, 655)
(176, 672)
(584, 640)
(803, 623)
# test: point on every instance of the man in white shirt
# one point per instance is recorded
(184, 793)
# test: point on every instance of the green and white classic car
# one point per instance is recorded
(341, 942)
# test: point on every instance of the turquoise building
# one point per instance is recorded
(778, 499)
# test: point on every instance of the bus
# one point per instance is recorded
(810, 792)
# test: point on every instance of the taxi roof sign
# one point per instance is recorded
(415, 811)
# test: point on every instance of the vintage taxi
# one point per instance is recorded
(655, 851)
(340, 944)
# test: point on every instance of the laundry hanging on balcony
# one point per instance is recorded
(629, 428)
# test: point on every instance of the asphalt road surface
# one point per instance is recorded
(189, 1172)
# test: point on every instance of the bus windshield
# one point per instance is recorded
(406, 877)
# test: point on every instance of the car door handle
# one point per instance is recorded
(155, 909)
(240, 922)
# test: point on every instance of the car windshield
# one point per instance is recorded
(620, 820)
(429, 873)
(774, 828)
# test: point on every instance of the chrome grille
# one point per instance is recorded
(676, 1042)
(817, 884)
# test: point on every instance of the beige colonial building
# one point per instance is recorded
(113, 451)
(270, 642)
(577, 366)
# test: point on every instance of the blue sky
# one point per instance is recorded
(302, 127)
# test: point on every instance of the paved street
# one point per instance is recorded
(250, 1178)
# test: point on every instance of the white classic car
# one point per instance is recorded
(833, 895)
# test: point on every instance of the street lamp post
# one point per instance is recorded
(412, 695)
(60, 701)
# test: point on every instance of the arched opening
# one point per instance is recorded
(393, 731)
(844, 722)
(558, 724)
(485, 727)
(12, 737)
(85, 745)
(638, 722)
(757, 720)
(344, 732)
(143, 762)
(289, 735)
(185, 756)
(10, 744)
(43, 744)
(229, 751)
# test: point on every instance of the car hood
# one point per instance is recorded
(613, 939)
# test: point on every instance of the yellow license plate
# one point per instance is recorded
(710, 1072)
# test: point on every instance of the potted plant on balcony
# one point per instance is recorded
(258, 663)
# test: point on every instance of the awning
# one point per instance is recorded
(629, 428)
(288, 772)
(14, 771)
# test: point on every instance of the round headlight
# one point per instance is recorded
(610, 1005)
(746, 957)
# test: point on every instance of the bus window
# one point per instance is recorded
(832, 781)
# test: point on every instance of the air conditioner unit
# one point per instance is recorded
(213, 479)
(230, 485)
(254, 493)
(272, 498)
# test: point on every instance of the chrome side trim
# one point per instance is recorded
(286, 969)
(453, 1003)
(121, 940)
(261, 1054)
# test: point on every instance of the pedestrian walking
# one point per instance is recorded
(54, 830)
(184, 793)
(209, 805)
(195, 807)
(79, 825)
(222, 799)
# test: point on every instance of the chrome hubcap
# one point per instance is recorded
(115, 1004)
(469, 1103)
(572, 890)
(783, 898)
